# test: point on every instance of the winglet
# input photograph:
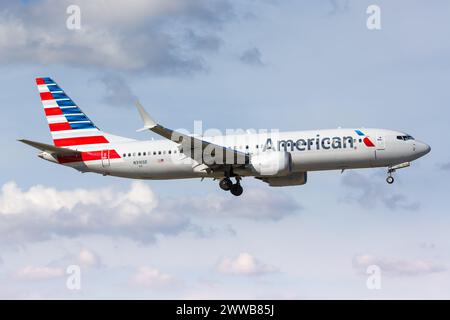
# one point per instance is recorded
(149, 123)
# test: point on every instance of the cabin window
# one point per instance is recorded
(124, 155)
(134, 154)
(139, 154)
(129, 154)
(159, 152)
(170, 151)
(154, 153)
(257, 146)
(246, 147)
(144, 154)
(360, 140)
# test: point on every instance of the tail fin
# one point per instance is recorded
(69, 126)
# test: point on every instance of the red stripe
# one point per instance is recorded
(53, 111)
(88, 156)
(39, 81)
(46, 96)
(78, 141)
(368, 142)
(60, 126)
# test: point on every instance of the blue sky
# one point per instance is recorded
(288, 65)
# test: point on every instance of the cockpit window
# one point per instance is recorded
(405, 138)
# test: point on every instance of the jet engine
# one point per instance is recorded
(271, 163)
(294, 179)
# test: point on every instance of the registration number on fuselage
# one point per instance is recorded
(140, 163)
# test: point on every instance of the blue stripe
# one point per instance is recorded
(80, 117)
(82, 125)
(60, 96)
(66, 103)
(71, 110)
(54, 88)
(48, 81)
(359, 133)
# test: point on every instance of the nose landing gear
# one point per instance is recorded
(390, 179)
(392, 169)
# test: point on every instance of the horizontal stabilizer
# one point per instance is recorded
(49, 148)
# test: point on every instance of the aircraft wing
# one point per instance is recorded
(50, 149)
(202, 151)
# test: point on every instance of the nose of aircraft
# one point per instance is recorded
(422, 148)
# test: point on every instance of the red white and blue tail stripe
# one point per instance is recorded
(71, 128)
(68, 125)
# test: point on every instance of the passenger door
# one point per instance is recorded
(380, 142)
(105, 158)
(380, 146)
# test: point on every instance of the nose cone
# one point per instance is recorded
(422, 148)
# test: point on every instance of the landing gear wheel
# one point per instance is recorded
(236, 189)
(225, 184)
(390, 180)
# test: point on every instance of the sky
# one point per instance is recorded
(287, 65)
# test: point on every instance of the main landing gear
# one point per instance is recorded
(235, 188)
(225, 184)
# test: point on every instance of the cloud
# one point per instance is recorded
(118, 92)
(33, 273)
(338, 6)
(244, 264)
(203, 42)
(88, 258)
(148, 277)
(42, 213)
(445, 166)
(369, 193)
(252, 57)
(141, 36)
(259, 204)
(397, 267)
(427, 245)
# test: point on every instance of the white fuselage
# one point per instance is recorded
(310, 151)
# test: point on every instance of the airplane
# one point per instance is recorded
(276, 158)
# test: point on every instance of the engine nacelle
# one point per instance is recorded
(294, 179)
(271, 163)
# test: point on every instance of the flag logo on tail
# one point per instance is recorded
(68, 124)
